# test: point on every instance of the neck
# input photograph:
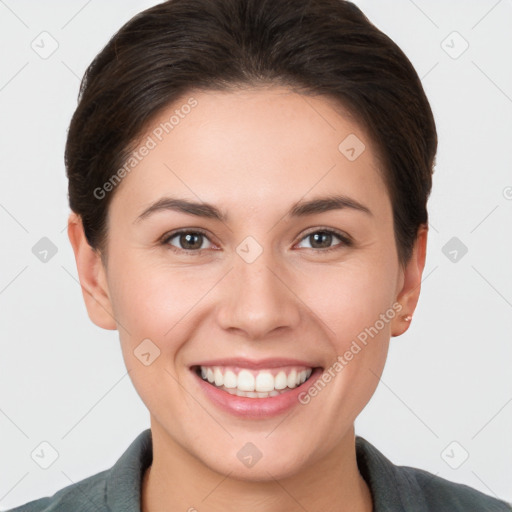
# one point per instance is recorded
(176, 480)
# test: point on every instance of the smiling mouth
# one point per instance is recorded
(252, 383)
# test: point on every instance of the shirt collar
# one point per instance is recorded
(392, 490)
(124, 482)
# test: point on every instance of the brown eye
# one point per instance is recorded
(322, 240)
(186, 241)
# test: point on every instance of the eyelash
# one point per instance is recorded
(346, 241)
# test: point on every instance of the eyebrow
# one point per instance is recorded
(299, 209)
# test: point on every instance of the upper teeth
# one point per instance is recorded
(255, 380)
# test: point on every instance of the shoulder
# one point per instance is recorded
(441, 494)
(87, 495)
(403, 488)
(114, 489)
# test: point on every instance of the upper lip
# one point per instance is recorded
(255, 364)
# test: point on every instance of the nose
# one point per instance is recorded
(258, 299)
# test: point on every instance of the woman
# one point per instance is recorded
(248, 182)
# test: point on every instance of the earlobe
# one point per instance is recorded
(92, 276)
(409, 293)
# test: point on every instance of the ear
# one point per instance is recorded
(410, 291)
(92, 276)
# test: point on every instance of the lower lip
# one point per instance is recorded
(255, 408)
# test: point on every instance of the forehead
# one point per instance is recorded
(256, 147)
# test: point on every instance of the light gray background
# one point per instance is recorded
(62, 379)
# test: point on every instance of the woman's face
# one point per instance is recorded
(262, 287)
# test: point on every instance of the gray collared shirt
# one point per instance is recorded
(393, 488)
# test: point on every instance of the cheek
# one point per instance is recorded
(151, 303)
(351, 297)
(355, 306)
(162, 304)
(151, 298)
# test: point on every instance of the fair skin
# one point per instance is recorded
(253, 154)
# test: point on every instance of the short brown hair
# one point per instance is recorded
(326, 47)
